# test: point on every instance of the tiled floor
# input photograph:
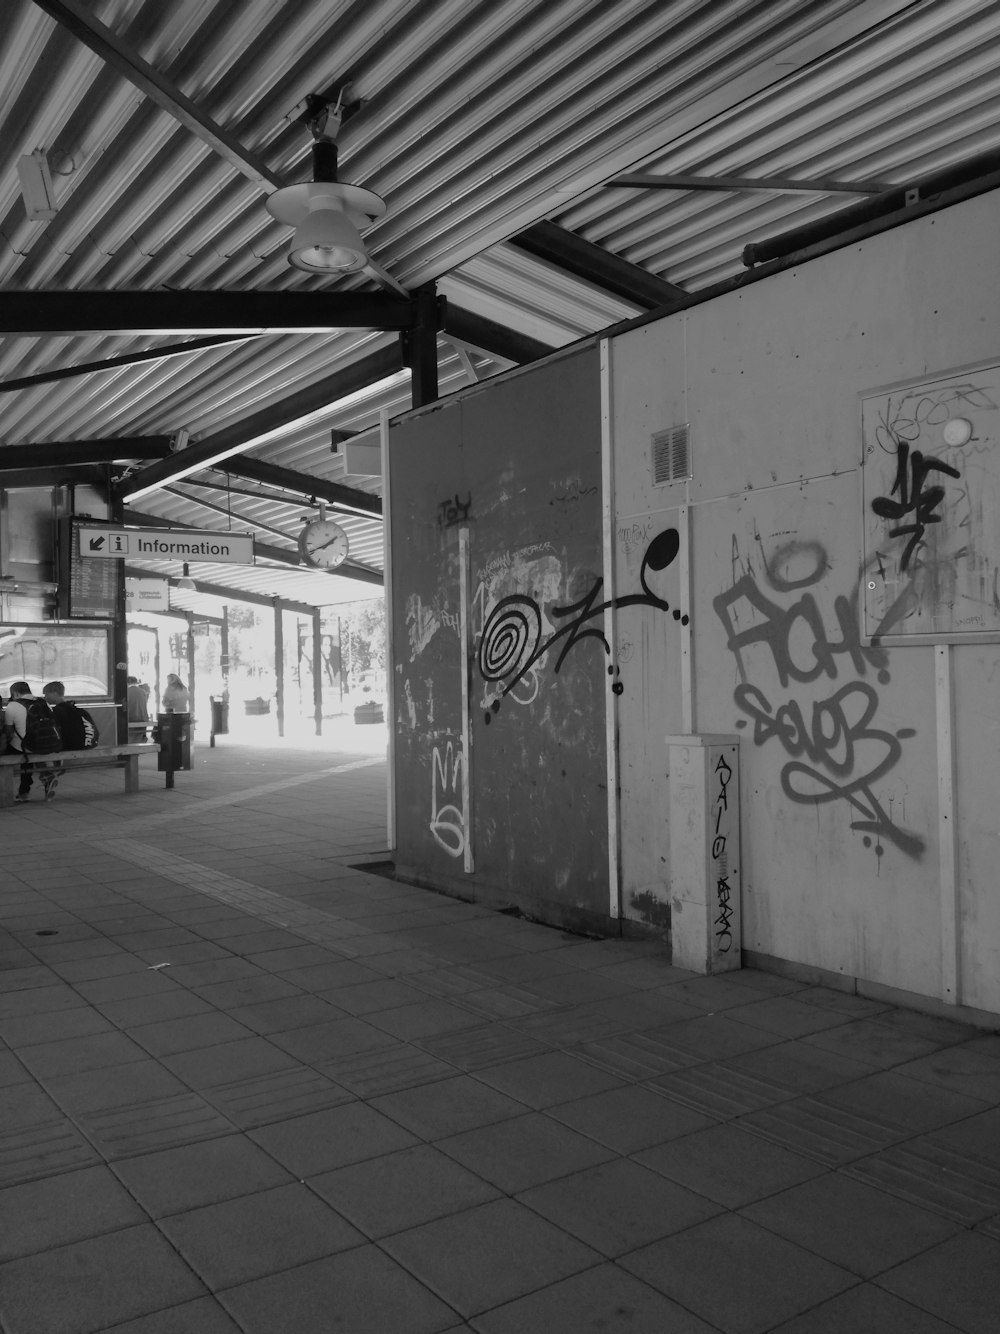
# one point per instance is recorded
(246, 1086)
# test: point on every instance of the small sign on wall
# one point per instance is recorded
(146, 595)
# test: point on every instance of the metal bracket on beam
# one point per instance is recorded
(313, 106)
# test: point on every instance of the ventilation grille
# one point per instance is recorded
(671, 454)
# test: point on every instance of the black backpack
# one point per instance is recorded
(79, 732)
(41, 732)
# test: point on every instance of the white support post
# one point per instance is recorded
(705, 917)
(390, 660)
(465, 619)
(687, 642)
(611, 699)
(951, 979)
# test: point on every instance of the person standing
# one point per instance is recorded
(137, 711)
(176, 698)
(15, 720)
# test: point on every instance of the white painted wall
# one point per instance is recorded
(770, 379)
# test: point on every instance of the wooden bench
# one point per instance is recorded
(125, 756)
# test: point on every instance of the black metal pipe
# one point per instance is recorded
(324, 154)
(868, 210)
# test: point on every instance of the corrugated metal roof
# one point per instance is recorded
(477, 119)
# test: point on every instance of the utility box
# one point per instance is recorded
(220, 716)
(705, 852)
(174, 732)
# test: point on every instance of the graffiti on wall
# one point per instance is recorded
(912, 471)
(513, 640)
(454, 510)
(723, 923)
(835, 751)
(424, 620)
(449, 818)
(931, 482)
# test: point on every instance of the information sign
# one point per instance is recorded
(185, 544)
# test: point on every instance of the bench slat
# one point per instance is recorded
(93, 753)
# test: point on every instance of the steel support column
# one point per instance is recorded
(279, 666)
(190, 669)
(317, 658)
(120, 631)
(419, 345)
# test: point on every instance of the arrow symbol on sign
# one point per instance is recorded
(96, 543)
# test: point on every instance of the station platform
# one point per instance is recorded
(248, 1083)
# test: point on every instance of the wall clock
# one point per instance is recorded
(323, 544)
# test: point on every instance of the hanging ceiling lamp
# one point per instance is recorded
(327, 215)
(186, 582)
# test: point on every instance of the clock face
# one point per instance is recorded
(323, 544)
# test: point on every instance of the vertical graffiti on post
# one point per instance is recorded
(835, 752)
(449, 818)
(723, 828)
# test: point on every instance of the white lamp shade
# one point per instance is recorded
(326, 241)
(326, 216)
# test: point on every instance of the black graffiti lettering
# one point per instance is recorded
(511, 641)
(454, 510)
(909, 485)
(723, 931)
(726, 773)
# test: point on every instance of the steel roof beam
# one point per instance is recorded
(78, 20)
(60, 453)
(779, 185)
(272, 497)
(131, 359)
(79, 474)
(490, 337)
(332, 493)
(201, 311)
(567, 251)
(241, 519)
(246, 434)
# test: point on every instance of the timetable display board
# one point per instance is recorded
(89, 587)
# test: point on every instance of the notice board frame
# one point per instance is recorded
(48, 663)
(942, 588)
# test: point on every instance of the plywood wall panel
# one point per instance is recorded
(845, 867)
(517, 466)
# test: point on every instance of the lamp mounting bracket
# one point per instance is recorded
(335, 106)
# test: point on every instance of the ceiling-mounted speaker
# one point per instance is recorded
(36, 186)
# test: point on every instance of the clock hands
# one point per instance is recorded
(323, 545)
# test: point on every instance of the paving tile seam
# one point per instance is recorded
(268, 790)
(313, 924)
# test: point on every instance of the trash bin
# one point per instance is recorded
(174, 733)
(220, 717)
